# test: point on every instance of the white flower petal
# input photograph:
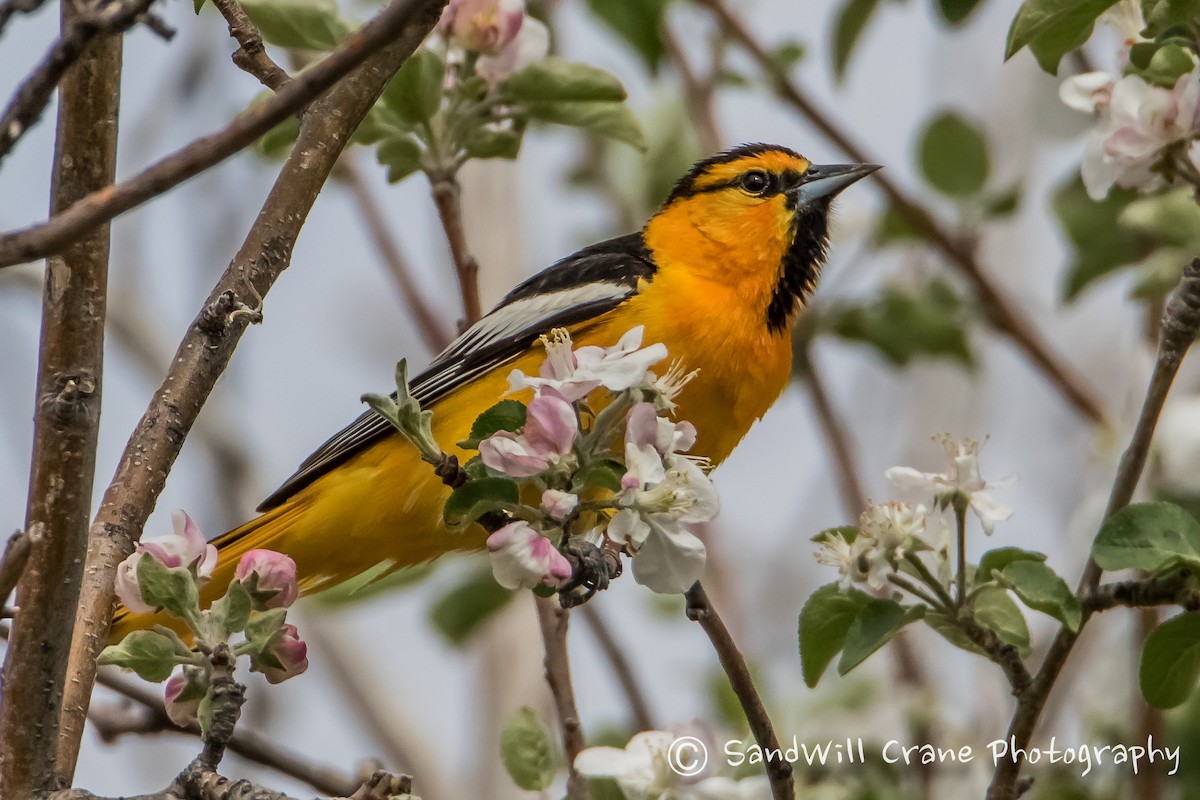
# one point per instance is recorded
(670, 561)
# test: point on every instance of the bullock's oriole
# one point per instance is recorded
(717, 274)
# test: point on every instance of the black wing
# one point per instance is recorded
(580, 287)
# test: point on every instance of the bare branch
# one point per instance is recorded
(10, 8)
(1001, 312)
(779, 771)
(553, 619)
(446, 194)
(12, 563)
(698, 93)
(208, 345)
(67, 417)
(1180, 324)
(639, 708)
(251, 55)
(99, 207)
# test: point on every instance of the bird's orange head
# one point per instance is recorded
(756, 217)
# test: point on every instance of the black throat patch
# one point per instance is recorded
(801, 265)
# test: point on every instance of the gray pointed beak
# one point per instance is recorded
(825, 181)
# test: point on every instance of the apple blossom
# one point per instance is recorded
(523, 558)
(551, 427)
(285, 657)
(960, 482)
(186, 548)
(182, 695)
(270, 577)
(530, 46)
(559, 504)
(574, 374)
(485, 26)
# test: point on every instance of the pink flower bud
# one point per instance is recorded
(286, 658)
(186, 548)
(522, 557)
(558, 504)
(270, 577)
(485, 26)
(183, 694)
(128, 589)
(549, 434)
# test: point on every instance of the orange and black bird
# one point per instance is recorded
(718, 274)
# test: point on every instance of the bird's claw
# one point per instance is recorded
(592, 569)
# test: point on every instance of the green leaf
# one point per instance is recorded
(956, 12)
(999, 558)
(1148, 536)
(459, 612)
(1161, 65)
(507, 415)
(904, 325)
(847, 532)
(472, 500)
(401, 155)
(953, 155)
(232, 611)
(197, 5)
(299, 24)
(637, 22)
(277, 143)
(848, 28)
(526, 751)
(1004, 204)
(996, 610)
(891, 228)
(1100, 244)
(484, 142)
(948, 630)
(1053, 28)
(553, 80)
(824, 622)
(877, 622)
(599, 475)
(1162, 15)
(606, 118)
(263, 627)
(1170, 219)
(151, 655)
(1171, 661)
(205, 713)
(415, 92)
(1040, 588)
(170, 588)
(786, 55)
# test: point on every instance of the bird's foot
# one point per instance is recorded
(592, 569)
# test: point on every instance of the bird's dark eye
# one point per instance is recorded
(756, 181)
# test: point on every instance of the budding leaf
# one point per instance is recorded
(205, 713)
(1053, 28)
(415, 92)
(877, 622)
(996, 610)
(1149, 536)
(553, 80)
(460, 611)
(824, 622)
(507, 415)
(299, 24)
(232, 611)
(263, 627)
(953, 155)
(401, 155)
(1040, 588)
(151, 655)
(999, 558)
(171, 588)
(606, 118)
(1171, 661)
(851, 21)
(473, 499)
(1160, 64)
(526, 752)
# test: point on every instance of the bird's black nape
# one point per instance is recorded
(685, 186)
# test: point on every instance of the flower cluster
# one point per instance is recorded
(166, 575)
(1138, 121)
(868, 555)
(505, 37)
(602, 455)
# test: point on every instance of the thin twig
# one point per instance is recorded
(1176, 589)
(1180, 323)
(698, 93)
(446, 196)
(10, 8)
(251, 55)
(853, 496)
(79, 28)
(99, 207)
(639, 708)
(553, 619)
(428, 323)
(67, 416)
(382, 45)
(12, 563)
(779, 771)
(1000, 311)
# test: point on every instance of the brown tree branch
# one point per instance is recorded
(446, 196)
(66, 420)
(433, 332)
(1000, 310)
(779, 771)
(1180, 324)
(79, 28)
(208, 345)
(639, 708)
(698, 93)
(12, 564)
(97, 208)
(251, 55)
(553, 619)
(10, 8)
